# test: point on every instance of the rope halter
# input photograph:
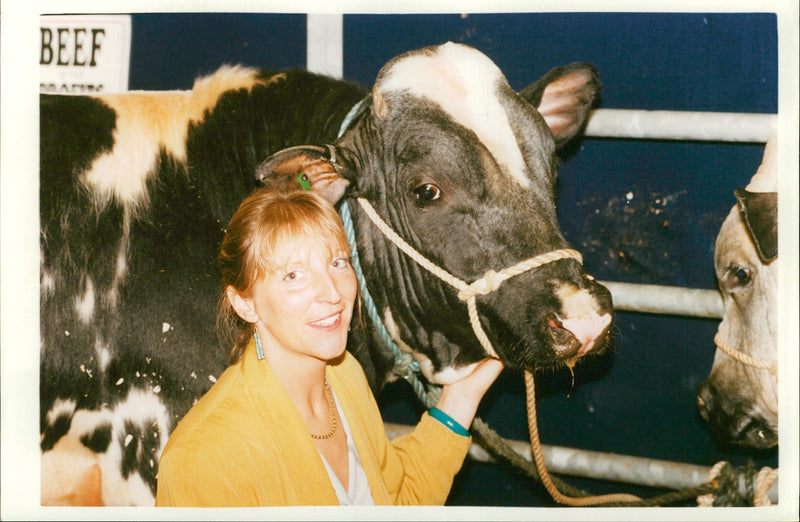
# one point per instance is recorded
(765, 364)
(490, 282)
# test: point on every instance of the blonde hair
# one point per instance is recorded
(254, 246)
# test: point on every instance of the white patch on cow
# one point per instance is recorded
(70, 471)
(121, 269)
(425, 364)
(84, 304)
(576, 302)
(68, 461)
(48, 282)
(394, 331)
(150, 121)
(581, 315)
(464, 82)
(766, 177)
(103, 355)
(449, 374)
(60, 407)
(138, 406)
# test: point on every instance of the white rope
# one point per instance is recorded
(708, 499)
(764, 479)
(743, 358)
(468, 292)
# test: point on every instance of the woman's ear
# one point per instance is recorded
(243, 306)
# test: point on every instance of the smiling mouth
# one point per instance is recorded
(327, 322)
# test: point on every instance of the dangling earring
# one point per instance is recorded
(259, 348)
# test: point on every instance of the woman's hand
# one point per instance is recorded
(460, 399)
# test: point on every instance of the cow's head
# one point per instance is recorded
(740, 397)
(463, 168)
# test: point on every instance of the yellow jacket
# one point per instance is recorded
(245, 444)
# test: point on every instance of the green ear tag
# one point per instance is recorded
(303, 180)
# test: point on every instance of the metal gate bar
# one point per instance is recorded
(660, 299)
(681, 125)
(604, 466)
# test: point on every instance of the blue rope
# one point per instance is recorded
(404, 364)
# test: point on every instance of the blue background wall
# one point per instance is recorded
(640, 399)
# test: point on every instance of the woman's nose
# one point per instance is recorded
(326, 289)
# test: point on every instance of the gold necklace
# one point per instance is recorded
(333, 415)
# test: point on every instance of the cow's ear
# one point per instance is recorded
(759, 211)
(304, 167)
(564, 96)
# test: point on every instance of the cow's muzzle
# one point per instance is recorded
(574, 337)
(730, 421)
(490, 282)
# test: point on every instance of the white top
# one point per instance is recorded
(357, 493)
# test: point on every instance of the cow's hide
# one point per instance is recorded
(740, 400)
(137, 188)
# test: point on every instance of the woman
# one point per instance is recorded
(292, 421)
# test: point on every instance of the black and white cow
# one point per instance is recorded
(740, 397)
(137, 188)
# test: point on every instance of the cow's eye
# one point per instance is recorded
(426, 194)
(738, 276)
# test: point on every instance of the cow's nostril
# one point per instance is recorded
(705, 400)
(565, 343)
(755, 433)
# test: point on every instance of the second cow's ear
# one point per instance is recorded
(759, 211)
(304, 167)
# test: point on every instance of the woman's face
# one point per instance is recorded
(304, 307)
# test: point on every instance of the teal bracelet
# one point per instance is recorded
(448, 421)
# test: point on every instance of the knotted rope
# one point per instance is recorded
(743, 358)
(726, 492)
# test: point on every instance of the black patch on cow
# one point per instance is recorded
(759, 211)
(75, 130)
(141, 453)
(99, 439)
(53, 432)
(302, 108)
(79, 243)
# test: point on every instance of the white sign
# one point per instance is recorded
(84, 54)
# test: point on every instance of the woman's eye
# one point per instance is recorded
(291, 277)
(339, 262)
(426, 193)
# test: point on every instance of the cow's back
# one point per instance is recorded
(136, 190)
